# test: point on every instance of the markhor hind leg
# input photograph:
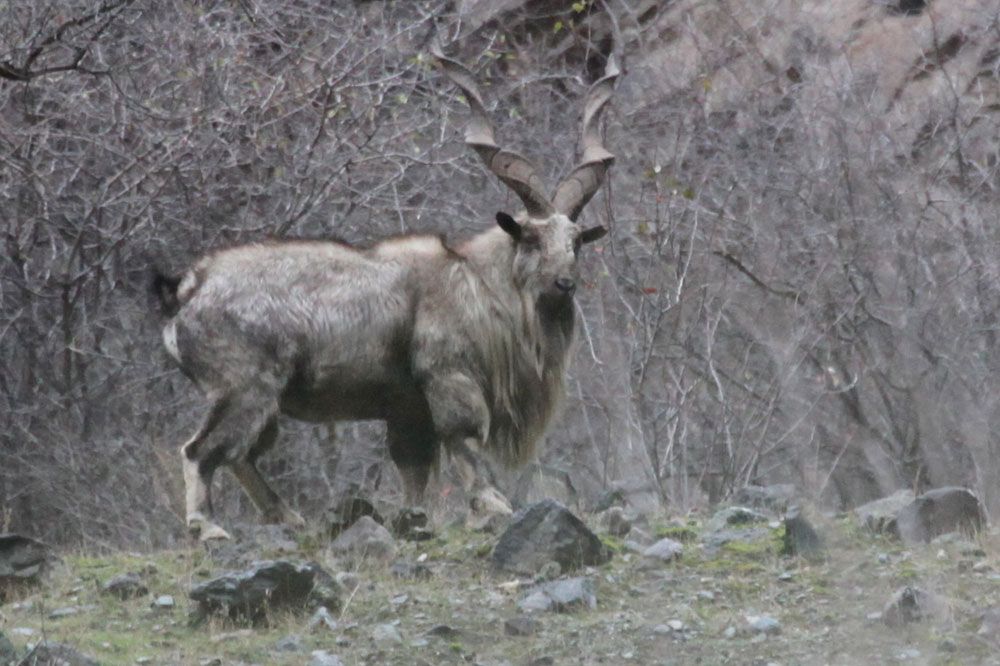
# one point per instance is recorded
(199, 468)
(412, 446)
(273, 509)
(231, 427)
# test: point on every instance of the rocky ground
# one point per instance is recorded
(712, 589)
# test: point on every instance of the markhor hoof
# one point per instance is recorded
(489, 511)
(206, 531)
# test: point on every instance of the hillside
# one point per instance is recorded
(442, 602)
(799, 284)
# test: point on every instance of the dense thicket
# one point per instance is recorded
(800, 284)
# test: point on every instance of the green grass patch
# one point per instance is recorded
(681, 533)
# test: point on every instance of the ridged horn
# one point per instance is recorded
(578, 187)
(515, 170)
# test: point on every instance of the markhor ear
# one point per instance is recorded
(510, 225)
(592, 234)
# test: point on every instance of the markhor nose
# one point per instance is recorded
(566, 285)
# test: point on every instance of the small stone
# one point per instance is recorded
(210, 661)
(664, 550)
(676, 625)
(571, 594)
(730, 632)
(348, 580)
(66, 611)
(908, 653)
(763, 624)
(786, 576)
(411, 571)
(386, 634)
(347, 512)
(232, 636)
(163, 602)
(883, 558)
(535, 602)
(443, 631)
(125, 586)
(411, 524)
(290, 643)
(521, 625)
(365, 539)
(912, 604)
(542, 661)
(144, 660)
(22, 631)
(706, 595)
(662, 630)
(324, 658)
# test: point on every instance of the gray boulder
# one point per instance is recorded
(125, 586)
(411, 524)
(386, 635)
(763, 624)
(734, 523)
(800, 537)
(411, 570)
(521, 625)
(735, 517)
(615, 521)
(324, 658)
(8, 653)
(561, 596)
(365, 539)
(912, 604)
(347, 512)
(939, 511)
(22, 561)
(879, 516)
(547, 532)
(270, 585)
(665, 550)
(774, 499)
(48, 653)
(989, 624)
(920, 519)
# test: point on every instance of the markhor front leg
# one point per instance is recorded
(485, 501)
(461, 419)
